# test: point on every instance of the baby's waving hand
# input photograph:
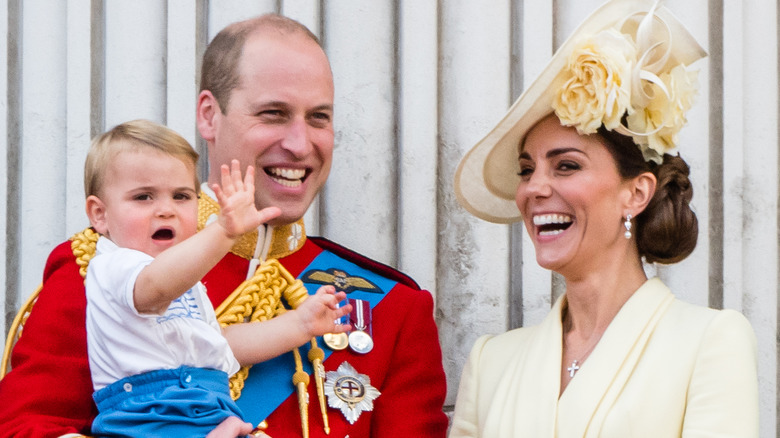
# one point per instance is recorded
(236, 198)
(319, 312)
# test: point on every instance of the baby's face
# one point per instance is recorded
(150, 199)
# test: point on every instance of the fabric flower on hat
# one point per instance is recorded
(616, 74)
(664, 116)
(598, 90)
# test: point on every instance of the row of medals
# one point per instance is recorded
(358, 340)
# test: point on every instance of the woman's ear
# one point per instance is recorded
(96, 212)
(641, 190)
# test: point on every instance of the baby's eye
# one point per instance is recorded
(182, 196)
(142, 197)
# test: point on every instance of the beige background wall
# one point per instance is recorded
(417, 83)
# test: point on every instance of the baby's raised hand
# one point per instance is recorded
(319, 312)
(236, 198)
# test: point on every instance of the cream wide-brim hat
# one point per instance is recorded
(487, 177)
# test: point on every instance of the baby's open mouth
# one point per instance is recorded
(163, 234)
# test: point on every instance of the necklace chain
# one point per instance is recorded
(577, 363)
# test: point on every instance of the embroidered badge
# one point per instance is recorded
(341, 280)
(350, 391)
(296, 234)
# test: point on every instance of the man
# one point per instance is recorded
(267, 100)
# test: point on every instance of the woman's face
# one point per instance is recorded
(572, 198)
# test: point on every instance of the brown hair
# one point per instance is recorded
(131, 136)
(667, 230)
(219, 72)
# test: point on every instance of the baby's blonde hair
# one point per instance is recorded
(132, 136)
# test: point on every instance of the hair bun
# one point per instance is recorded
(668, 229)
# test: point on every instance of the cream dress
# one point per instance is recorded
(663, 368)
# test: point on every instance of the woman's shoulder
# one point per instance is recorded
(492, 346)
(704, 325)
(707, 316)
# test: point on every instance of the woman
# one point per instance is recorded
(587, 159)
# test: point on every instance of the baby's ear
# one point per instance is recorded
(96, 212)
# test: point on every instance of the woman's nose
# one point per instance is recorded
(538, 185)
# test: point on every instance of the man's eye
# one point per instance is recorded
(320, 119)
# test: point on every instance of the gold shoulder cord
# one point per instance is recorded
(256, 299)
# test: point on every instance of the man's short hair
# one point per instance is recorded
(219, 72)
(131, 136)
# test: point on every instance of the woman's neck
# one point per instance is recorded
(592, 302)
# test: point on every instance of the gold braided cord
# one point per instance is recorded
(83, 246)
(259, 299)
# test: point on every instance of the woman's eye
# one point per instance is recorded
(567, 166)
(525, 172)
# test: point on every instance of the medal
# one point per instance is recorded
(350, 391)
(336, 341)
(360, 340)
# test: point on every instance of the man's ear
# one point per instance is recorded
(641, 190)
(96, 212)
(207, 109)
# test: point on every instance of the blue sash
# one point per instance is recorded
(270, 383)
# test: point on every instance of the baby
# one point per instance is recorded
(159, 360)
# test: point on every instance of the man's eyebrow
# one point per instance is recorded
(323, 107)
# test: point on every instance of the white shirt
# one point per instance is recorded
(122, 342)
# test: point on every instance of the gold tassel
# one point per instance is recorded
(316, 356)
(301, 381)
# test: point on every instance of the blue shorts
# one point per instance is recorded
(184, 402)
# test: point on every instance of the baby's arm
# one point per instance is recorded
(179, 267)
(260, 341)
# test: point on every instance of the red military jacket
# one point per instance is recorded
(49, 390)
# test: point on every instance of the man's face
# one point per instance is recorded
(279, 119)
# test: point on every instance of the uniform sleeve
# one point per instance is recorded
(414, 390)
(464, 422)
(723, 393)
(49, 390)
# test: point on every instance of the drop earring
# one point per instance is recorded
(627, 224)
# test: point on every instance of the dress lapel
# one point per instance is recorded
(526, 398)
(590, 395)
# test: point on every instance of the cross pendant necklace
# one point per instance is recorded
(573, 368)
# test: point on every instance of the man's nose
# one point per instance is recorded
(296, 139)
